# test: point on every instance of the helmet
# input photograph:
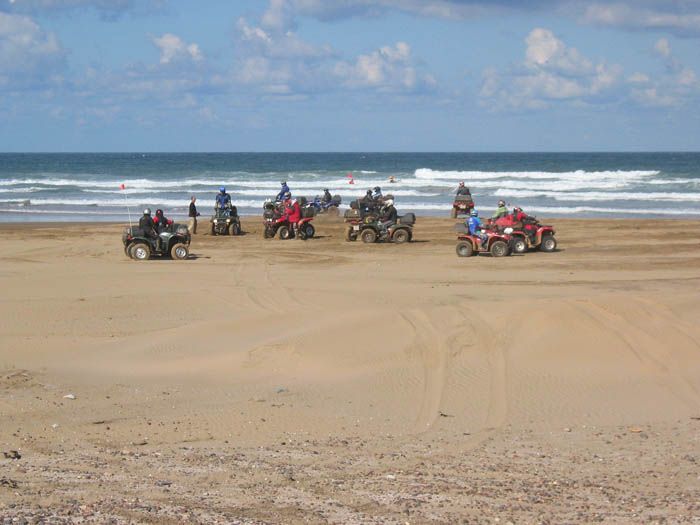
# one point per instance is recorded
(287, 195)
(377, 188)
(283, 183)
(474, 213)
(159, 212)
(147, 211)
(222, 189)
(461, 183)
(517, 209)
(501, 203)
(369, 192)
(325, 189)
(389, 202)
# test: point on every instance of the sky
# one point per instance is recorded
(349, 75)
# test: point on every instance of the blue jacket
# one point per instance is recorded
(223, 200)
(474, 224)
(284, 190)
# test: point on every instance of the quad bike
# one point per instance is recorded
(369, 208)
(462, 205)
(225, 221)
(498, 245)
(528, 234)
(369, 230)
(328, 207)
(542, 238)
(173, 242)
(275, 220)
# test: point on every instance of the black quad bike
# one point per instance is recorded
(368, 228)
(225, 221)
(173, 242)
(462, 205)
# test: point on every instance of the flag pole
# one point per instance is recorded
(126, 199)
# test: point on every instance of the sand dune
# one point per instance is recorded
(366, 362)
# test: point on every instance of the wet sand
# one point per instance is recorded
(321, 381)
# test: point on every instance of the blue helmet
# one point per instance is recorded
(474, 213)
(222, 189)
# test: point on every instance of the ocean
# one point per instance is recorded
(87, 186)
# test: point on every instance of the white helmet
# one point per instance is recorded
(147, 211)
(390, 202)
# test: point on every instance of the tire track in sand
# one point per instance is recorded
(439, 338)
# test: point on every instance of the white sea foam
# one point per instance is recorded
(601, 196)
(468, 176)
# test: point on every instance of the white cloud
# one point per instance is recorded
(672, 16)
(277, 44)
(663, 48)
(28, 54)
(546, 51)
(551, 72)
(638, 78)
(109, 9)
(651, 97)
(173, 47)
(389, 68)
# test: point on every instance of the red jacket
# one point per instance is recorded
(293, 212)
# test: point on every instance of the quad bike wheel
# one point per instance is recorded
(498, 249)
(454, 213)
(179, 252)
(465, 249)
(368, 236)
(400, 236)
(285, 232)
(140, 251)
(235, 229)
(549, 243)
(350, 234)
(213, 229)
(127, 250)
(519, 245)
(268, 233)
(309, 230)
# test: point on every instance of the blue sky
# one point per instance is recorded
(349, 75)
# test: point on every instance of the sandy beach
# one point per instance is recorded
(321, 381)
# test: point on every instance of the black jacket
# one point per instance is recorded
(464, 191)
(147, 225)
(389, 214)
(193, 210)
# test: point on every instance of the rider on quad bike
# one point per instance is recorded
(387, 217)
(293, 212)
(463, 202)
(223, 200)
(475, 227)
(148, 226)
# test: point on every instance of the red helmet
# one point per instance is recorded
(461, 183)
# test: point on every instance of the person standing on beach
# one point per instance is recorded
(193, 215)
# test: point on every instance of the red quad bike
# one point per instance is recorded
(276, 221)
(462, 205)
(368, 230)
(497, 244)
(523, 237)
